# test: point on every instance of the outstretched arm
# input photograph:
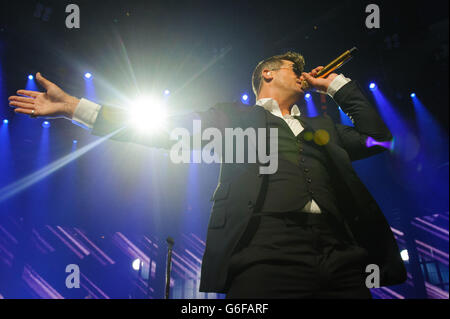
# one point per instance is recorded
(55, 103)
(103, 120)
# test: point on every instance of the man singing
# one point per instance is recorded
(309, 230)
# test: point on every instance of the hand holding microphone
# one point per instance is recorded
(321, 77)
(312, 81)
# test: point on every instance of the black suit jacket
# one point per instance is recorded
(240, 190)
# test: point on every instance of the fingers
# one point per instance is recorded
(309, 78)
(26, 111)
(316, 71)
(43, 81)
(32, 94)
(21, 105)
(21, 99)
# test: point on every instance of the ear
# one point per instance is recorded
(267, 75)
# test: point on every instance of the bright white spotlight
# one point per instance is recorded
(46, 124)
(166, 92)
(88, 75)
(245, 98)
(5, 121)
(148, 114)
(404, 255)
(307, 96)
(413, 95)
(372, 86)
(30, 77)
(136, 264)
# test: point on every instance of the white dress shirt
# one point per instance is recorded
(86, 114)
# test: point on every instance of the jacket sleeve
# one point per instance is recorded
(367, 123)
(115, 121)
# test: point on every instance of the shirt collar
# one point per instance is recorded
(272, 106)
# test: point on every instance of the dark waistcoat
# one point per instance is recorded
(302, 173)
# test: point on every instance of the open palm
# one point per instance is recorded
(52, 103)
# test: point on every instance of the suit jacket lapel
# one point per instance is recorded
(256, 118)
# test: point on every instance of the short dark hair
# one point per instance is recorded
(273, 63)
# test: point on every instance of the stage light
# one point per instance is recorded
(31, 84)
(370, 142)
(245, 98)
(166, 92)
(5, 121)
(31, 179)
(311, 108)
(75, 141)
(413, 95)
(46, 124)
(136, 264)
(404, 255)
(372, 86)
(88, 75)
(148, 114)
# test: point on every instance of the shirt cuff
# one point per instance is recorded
(337, 84)
(86, 114)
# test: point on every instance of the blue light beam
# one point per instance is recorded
(27, 181)
(310, 106)
(407, 145)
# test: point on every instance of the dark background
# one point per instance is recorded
(168, 42)
(134, 47)
(144, 46)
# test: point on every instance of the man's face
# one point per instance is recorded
(287, 81)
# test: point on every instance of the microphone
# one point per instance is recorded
(170, 241)
(333, 65)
